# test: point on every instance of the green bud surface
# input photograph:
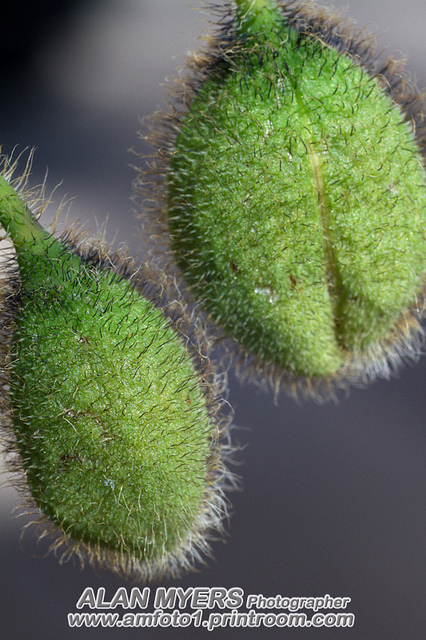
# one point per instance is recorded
(112, 419)
(296, 198)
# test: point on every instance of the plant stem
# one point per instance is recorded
(255, 16)
(18, 221)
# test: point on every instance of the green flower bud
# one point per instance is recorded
(295, 193)
(115, 417)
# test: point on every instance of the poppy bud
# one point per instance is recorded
(292, 167)
(115, 421)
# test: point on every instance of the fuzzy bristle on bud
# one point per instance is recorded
(290, 179)
(115, 416)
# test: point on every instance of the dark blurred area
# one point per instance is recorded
(334, 494)
(25, 26)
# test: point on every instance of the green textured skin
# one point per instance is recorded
(297, 203)
(111, 421)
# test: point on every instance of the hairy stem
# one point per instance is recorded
(256, 15)
(18, 221)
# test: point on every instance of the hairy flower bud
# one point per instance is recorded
(115, 422)
(295, 193)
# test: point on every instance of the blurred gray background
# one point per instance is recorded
(334, 495)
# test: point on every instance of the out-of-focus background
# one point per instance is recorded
(334, 495)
